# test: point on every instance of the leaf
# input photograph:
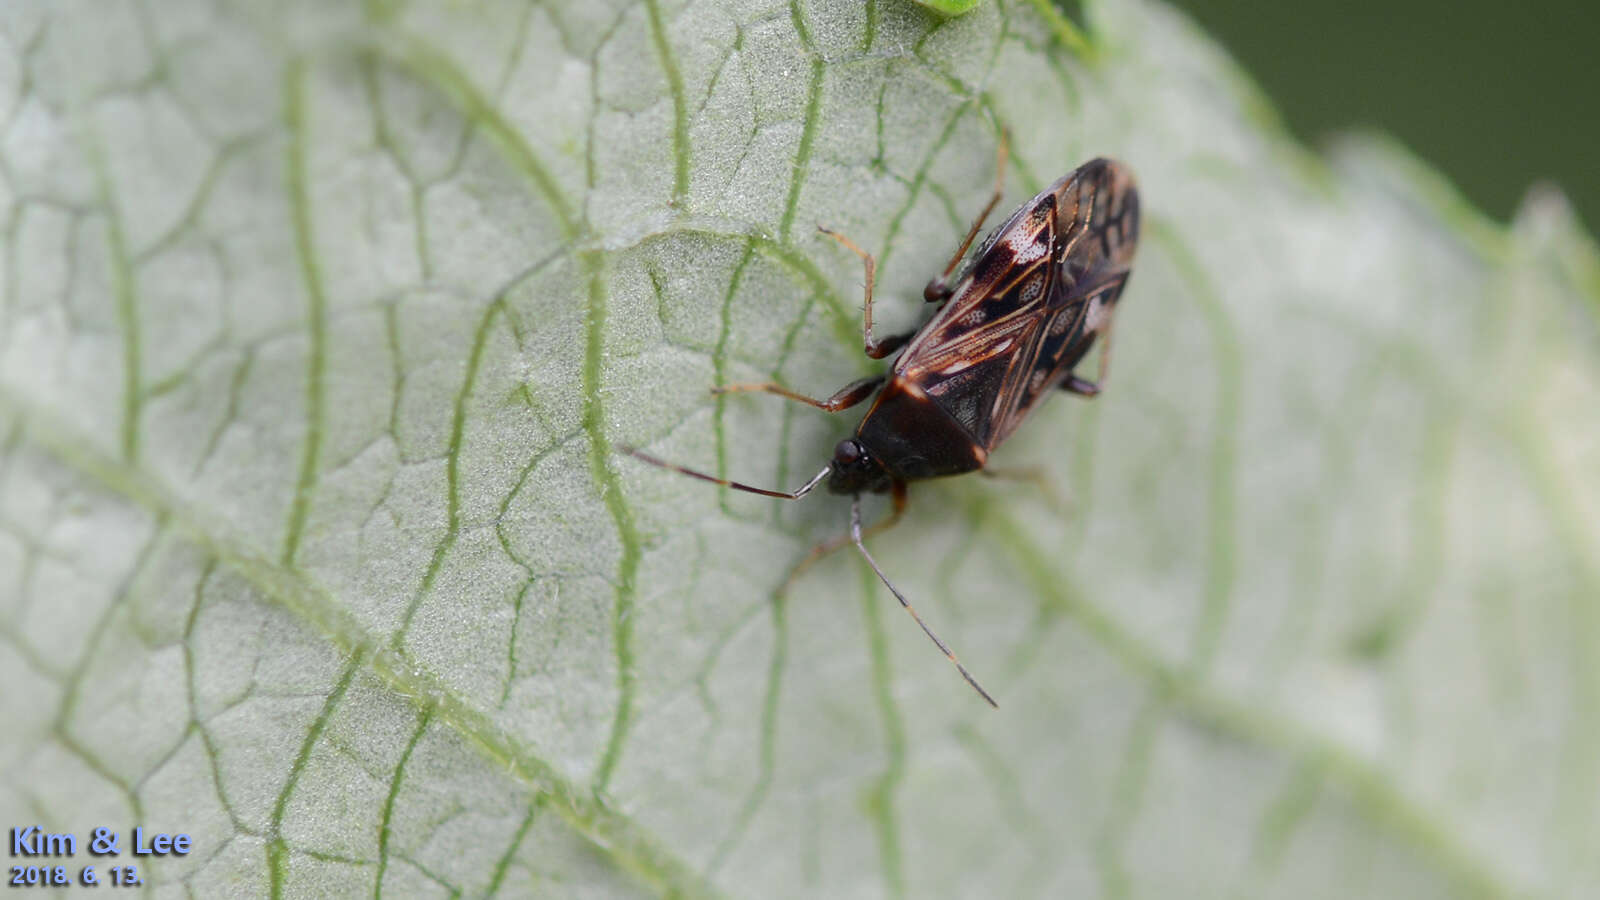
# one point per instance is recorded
(321, 325)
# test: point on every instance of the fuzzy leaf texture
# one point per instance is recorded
(321, 324)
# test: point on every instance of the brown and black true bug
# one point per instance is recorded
(1039, 291)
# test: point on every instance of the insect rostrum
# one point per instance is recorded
(1037, 295)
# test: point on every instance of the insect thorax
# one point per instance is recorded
(914, 437)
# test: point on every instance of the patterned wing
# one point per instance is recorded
(1099, 231)
(1042, 288)
(962, 355)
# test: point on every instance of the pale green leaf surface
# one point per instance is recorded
(320, 322)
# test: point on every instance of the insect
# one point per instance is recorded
(1028, 308)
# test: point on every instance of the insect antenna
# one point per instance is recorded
(796, 494)
(855, 535)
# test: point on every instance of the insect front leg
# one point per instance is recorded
(844, 398)
(939, 289)
(873, 347)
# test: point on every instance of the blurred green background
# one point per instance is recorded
(1496, 96)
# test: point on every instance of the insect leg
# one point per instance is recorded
(795, 494)
(855, 536)
(844, 398)
(1105, 352)
(1081, 386)
(939, 288)
(1086, 388)
(1037, 476)
(874, 348)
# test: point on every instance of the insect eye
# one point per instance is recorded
(848, 451)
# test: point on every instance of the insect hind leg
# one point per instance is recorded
(939, 289)
(1083, 387)
(873, 347)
